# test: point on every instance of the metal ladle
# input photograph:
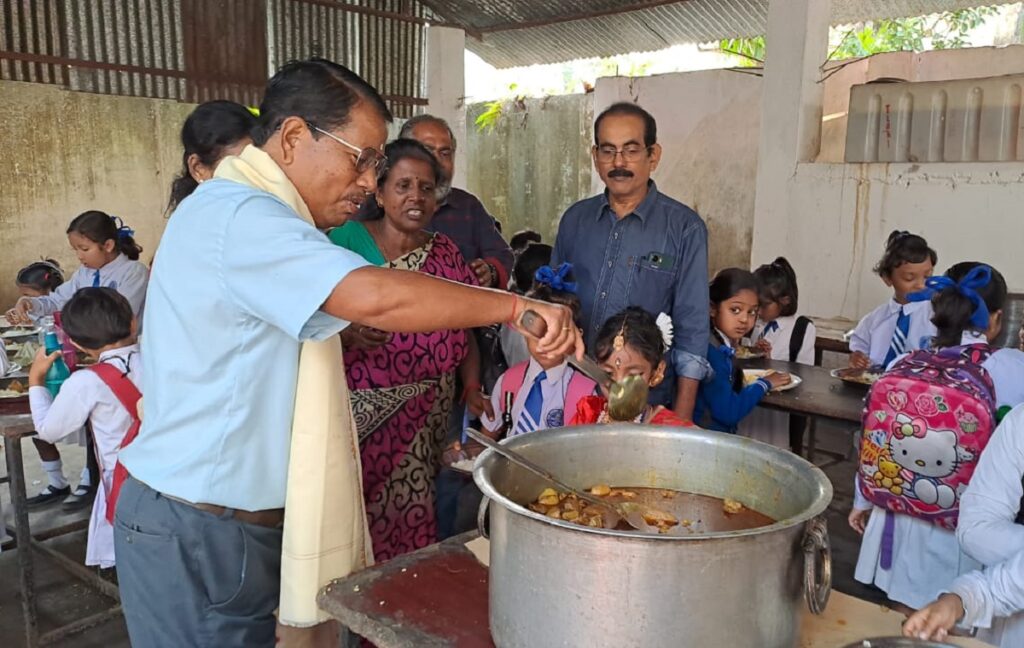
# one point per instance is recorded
(627, 398)
(633, 513)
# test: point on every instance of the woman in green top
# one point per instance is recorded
(403, 385)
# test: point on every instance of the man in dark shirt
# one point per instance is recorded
(460, 215)
(634, 246)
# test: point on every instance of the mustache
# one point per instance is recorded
(620, 173)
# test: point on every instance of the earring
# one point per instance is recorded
(657, 377)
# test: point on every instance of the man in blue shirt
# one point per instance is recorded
(634, 246)
(242, 279)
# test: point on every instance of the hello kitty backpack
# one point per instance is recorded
(925, 424)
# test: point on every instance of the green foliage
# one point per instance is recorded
(947, 30)
(488, 119)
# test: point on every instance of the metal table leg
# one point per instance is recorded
(23, 536)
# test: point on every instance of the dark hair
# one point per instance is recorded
(778, 282)
(405, 149)
(627, 108)
(904, 247)
(318, 91)
(639, 330)
(212, 127)
(96, 317)
(41, 275)
(953, 310)
(413, 122)
(99, 227)
(726, 284)
(527, 263)
(544, 292)
(522, 238)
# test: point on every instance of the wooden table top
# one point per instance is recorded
(818, 395)
(438, 596)
(16, 426)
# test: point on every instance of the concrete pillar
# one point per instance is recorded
(791, 109)
(446, 87)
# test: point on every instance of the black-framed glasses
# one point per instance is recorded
(630, 152)
(365, 158)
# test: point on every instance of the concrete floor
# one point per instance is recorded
(63, 598)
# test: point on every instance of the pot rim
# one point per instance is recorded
(817, 507)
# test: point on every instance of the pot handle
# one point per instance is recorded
(481, 517)
(817, 565)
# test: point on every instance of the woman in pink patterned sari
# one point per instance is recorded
(403, 385)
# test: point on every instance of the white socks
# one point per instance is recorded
(55, 474)
(83, 479)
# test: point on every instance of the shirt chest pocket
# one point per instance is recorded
(652, 278)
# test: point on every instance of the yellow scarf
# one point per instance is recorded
(325, 532)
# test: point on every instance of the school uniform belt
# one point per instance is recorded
(269, 518)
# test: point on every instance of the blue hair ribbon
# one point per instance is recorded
(979, 277)
(556, 278)
(123, 231)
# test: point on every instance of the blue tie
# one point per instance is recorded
(96, 280)
(529, 420)
(898, 346)
(769, 328)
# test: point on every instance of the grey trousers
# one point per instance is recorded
(190, 578)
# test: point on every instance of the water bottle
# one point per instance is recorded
(70, 353)
(45, 326)
(58, 371)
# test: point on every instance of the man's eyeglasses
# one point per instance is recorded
(630, 152)
(365, 157)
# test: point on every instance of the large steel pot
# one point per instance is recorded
(553, 583)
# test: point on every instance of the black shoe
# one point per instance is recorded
(82, 497)
(49, 495)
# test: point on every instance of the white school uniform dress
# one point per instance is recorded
(767, 425)
(553, 389)
(987, 531)
(925, 557)
(873, 334)
(127, 277)
(85, 397)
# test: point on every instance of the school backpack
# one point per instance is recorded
(128, 394)
(925, 424)
(579, 388)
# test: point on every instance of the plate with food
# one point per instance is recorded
(859, 377)
(750, 376)
(14, 389)
(749, 353)
(20, 332)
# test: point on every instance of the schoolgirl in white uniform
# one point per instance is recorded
(780, 330)
(100, 322)
(925, 557)
(898, 326)
(109, 256)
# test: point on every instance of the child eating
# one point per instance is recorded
(631, 343)
(722, 399)
(99, 321)
(898, 326)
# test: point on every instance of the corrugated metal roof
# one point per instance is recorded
(508, 33)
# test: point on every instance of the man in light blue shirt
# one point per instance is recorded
(239, 281)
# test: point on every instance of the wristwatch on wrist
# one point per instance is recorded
(494, 274)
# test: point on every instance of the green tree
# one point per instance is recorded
(947, 30)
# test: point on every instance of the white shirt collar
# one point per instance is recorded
(119, 352)
(552, 375)
(909, 307)
(973, 337)
(725, 339)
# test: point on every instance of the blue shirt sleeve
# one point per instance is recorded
(280, 269)
(690, 305)
(726, 406)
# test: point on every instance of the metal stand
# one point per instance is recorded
(14, 428)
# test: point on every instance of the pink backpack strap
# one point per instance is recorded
(580, 386)
(513, 378)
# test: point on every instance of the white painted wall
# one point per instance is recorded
(446, 87)
(838, 217)
(708, 124)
